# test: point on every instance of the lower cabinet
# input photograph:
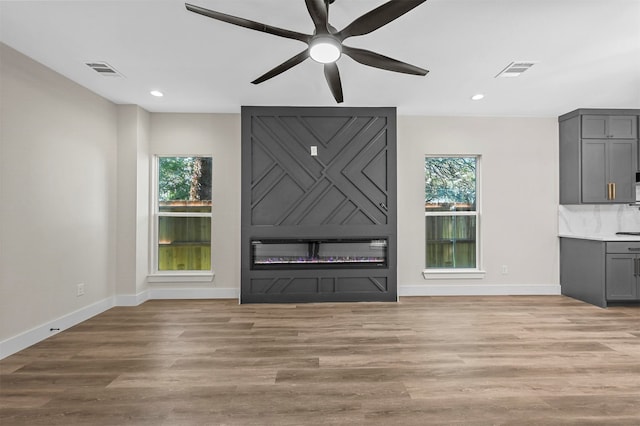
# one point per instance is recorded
(623, 271)
(600, 272)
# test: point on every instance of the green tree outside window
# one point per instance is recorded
(450, 212)
(184, 209)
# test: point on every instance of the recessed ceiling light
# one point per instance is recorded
(477, 97)
(157, 93)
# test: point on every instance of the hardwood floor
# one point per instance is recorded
(541, 360)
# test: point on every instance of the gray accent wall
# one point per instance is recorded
(347, 190)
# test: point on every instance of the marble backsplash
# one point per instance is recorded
(597, 219)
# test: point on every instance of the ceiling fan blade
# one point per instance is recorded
(332, 75)
(318, 12)
(372, 59)
(290, 63)
(253, 25)
(378, 17)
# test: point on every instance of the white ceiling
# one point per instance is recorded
(587, 54)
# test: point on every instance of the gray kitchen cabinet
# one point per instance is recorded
(600, 272)
(609, 127)
(582, 270)
(598, 156)
(623, 271)
(608, 170)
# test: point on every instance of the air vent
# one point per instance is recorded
(514, 69)
(104, 69)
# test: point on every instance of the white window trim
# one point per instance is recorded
(155, 275)
(181, 277)
(461, 273)
(458, 274)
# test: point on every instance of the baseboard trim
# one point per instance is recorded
(479, 290)
(37, 334)
(132, 299)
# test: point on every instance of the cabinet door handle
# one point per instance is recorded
(613, 191)
(635, 267)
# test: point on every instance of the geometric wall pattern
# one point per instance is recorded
(345, 184)
(348, 189)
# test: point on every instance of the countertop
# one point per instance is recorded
(602, 237)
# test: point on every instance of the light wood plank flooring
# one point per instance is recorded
(423, 361)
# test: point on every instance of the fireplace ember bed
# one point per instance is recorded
(319, 253)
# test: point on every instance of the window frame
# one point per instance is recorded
(155, 274)
(459, 273)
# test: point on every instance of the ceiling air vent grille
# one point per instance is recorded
(103, 69)
(514, 69)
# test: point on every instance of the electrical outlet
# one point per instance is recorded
(505, 270)
(80, 290)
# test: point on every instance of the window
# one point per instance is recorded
(451, 212)
(183, 211)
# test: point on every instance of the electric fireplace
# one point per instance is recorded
(318, 253)
(319, 205)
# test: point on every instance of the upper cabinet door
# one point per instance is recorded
(621, 162)
(623, 126)
(608, 171)
(594, 126)
(594, 172)
(609, 127)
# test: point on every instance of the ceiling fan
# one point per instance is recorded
(325, 44)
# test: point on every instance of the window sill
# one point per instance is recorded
(460, 274)
(181, 277)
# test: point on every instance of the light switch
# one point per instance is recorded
(314, 151)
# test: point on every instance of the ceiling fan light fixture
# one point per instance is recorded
(325, 44)
(325, 49)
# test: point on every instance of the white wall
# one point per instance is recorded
(58, 189)
(219, 136)
(143, 208)
(519, 193)
(132, 258)
(74, 185)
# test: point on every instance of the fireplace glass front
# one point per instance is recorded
(318, 253)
